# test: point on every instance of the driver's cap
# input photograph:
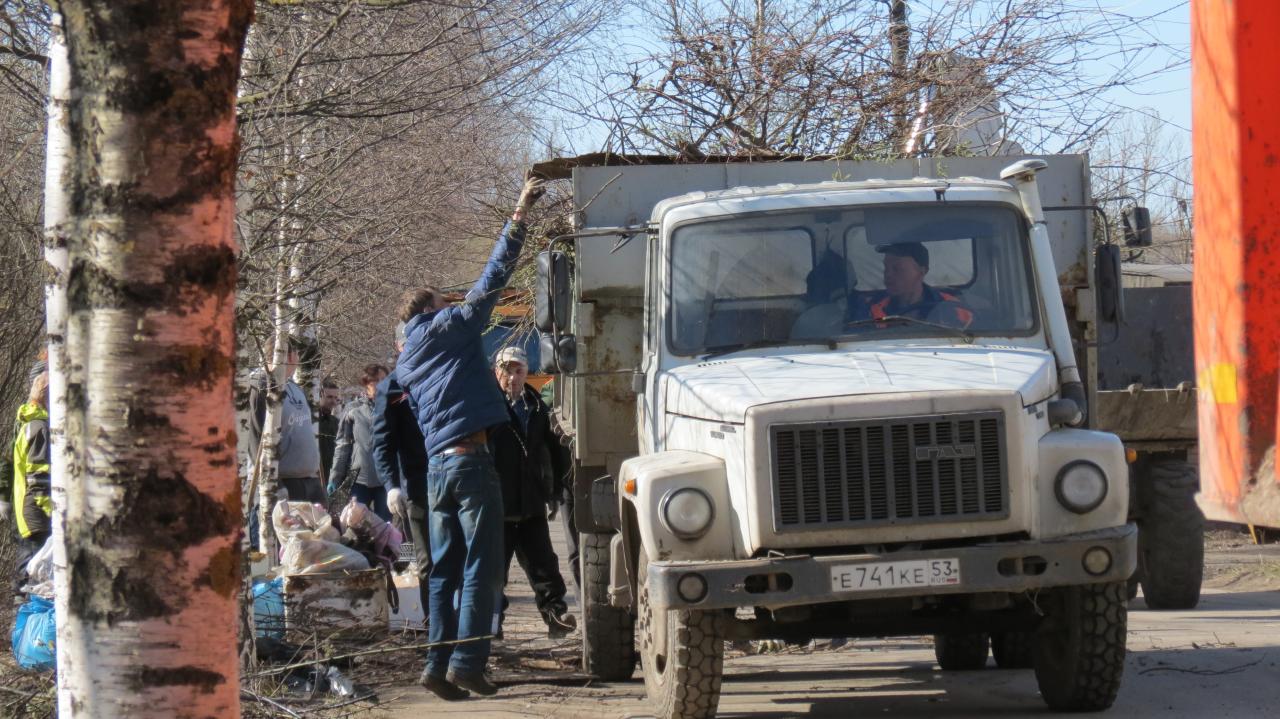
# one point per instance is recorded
(914, 250)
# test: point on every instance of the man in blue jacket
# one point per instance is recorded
(400, 455)
(456, 398)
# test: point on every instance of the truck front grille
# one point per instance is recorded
(904, 470)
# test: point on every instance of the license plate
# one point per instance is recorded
(895, 575)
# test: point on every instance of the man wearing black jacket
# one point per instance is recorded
(531, 465)
(400, 457)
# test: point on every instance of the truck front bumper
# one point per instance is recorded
(806, 579)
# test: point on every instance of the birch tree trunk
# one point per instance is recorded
(267, 463)
(152, 504)
(304, 311)
(56, 201)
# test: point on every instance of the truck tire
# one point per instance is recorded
(1080, 645)
(1013, 650)
(682, 654)
(961, 652)
(608, 634)
(1171, 536)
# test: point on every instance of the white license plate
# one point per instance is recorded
(895, 575)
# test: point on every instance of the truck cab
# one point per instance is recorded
(858, 411)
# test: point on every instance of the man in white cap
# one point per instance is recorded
(531, 466)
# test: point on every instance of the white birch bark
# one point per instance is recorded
(303, 308)
(56, 202)
(152, 508)
(267, 464)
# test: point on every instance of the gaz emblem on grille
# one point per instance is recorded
(945, 451)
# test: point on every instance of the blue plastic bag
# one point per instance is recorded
(268, 608)
(33, 635)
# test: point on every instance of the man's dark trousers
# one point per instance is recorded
(420, 532)
(529, 540)
(466, 547)
(303, 489)
(374, 498)
(27, 547)
(571, 537)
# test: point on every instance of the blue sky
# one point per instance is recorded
(1160, 45)
(1168, 94)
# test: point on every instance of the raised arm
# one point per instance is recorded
(480, 301)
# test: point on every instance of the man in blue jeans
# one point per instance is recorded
(456, 399)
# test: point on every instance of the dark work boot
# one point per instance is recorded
(442, 687)
(476, 683)
(559, 624)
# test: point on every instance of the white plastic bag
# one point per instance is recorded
(291, 518)
(316, 556)
(40, 572)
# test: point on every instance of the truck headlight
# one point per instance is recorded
(687, 512)
(1081, 486)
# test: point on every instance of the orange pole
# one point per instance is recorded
(1236, 161)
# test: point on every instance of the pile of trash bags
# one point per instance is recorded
(310, 543)
(34, 630)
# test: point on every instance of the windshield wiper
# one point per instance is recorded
(719, 350)
(966, 334)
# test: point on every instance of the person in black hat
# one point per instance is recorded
(906, 294)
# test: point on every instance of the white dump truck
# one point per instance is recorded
(839, 399)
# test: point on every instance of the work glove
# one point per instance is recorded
(397, 504)
(6, 509)
(533, 190)
(331, 488)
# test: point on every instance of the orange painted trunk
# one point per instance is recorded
(1236, 160)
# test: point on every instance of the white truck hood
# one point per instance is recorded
(723, 389)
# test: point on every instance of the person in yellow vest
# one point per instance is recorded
(32, 505)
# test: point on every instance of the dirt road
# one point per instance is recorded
(1220, 660)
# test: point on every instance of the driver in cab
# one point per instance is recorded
(906, 294)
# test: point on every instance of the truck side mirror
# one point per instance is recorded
(1137, 226)
(558, 354)
(1109, 284)
(551, 297)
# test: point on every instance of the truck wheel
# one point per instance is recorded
(682, 654)
(960, 652)
(1079, 646)
(608, 634)
(1013, 650)
(1171, 537)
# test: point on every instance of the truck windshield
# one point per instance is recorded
(836, 274)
